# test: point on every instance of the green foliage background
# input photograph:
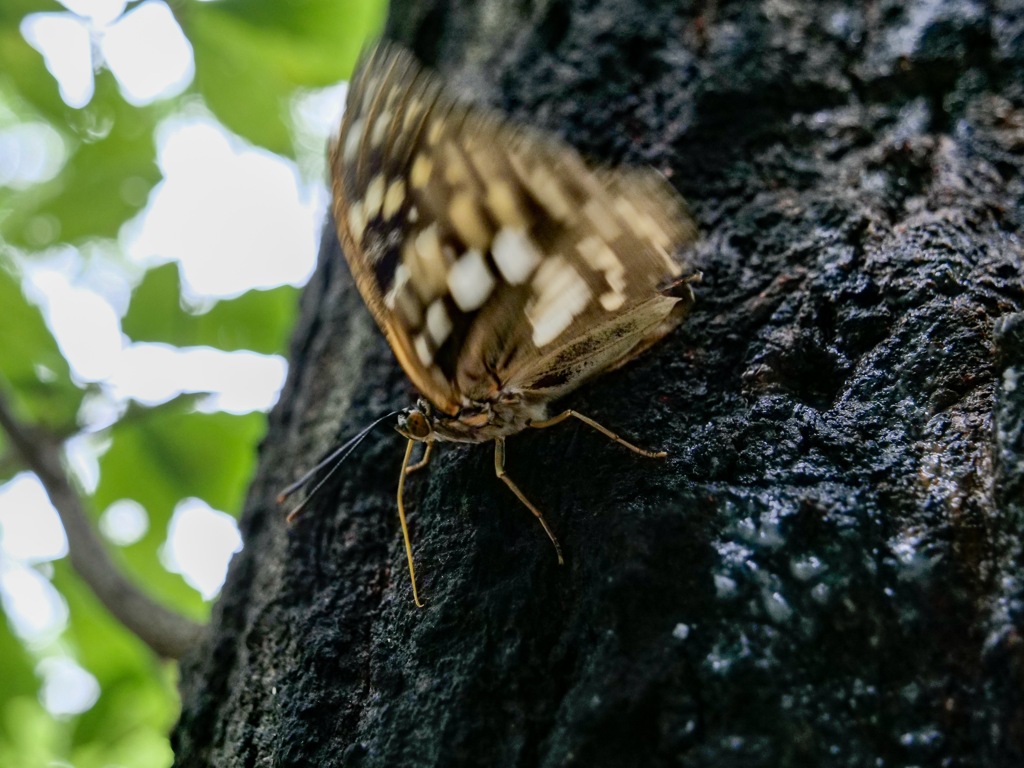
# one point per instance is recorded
(251, 59)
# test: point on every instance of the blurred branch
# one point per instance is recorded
(169, 634)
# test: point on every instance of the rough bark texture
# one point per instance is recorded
(827, 568)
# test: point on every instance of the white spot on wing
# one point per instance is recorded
(393, 198)
(402, 300)
(646, 228)
(411, 113)
(548, 191)
(470, 281)
(504, 204)
(643, 225)
(456, 172)
(600, 257)
(401, 278)
(408, 308)
(515, 254)
(420, 173)
(626, 210)
(380, 128)
(439, 325)
(560, 293)
(427, 264)
(356, 221)
(423, 350)
(612, 300)
(370, 91)
(602, 219)
(352, 139)
(434, 132)
(466, 217)
(373, 198)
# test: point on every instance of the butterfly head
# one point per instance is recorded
(471, 424)
(474, 422)
(417, 422)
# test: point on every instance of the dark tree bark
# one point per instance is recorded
(827, 568)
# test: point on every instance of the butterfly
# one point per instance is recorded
(503, 269)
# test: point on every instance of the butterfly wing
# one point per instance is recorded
(393, 248)
(493, 256)
(601, 241)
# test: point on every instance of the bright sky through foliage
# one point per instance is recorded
(64, 42)
(200, 543)
(234, 217)
(148, 33)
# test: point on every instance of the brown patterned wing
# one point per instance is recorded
(492, 256)
(393, 248)
(600, 244)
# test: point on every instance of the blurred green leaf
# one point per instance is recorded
(173, 454)
(246, 92)
(19, 670)
(10, 464)
(128, 709)
(163, 456)
(105, 181)
(137, 701)
(257, 320)
(251, 55)
(96, 640)
(30, 737)
(22, 65)
(31, 365)
(141, 748)
(315, 42)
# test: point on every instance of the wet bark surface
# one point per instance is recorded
(826, 570)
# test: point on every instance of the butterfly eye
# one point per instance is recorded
(415, 425)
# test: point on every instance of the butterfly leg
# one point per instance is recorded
(603, 430)
(405, 528)
(499, 470)
(423, 461)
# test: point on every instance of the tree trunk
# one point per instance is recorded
(827, 568)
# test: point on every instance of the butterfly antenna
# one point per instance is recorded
(333, 460)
